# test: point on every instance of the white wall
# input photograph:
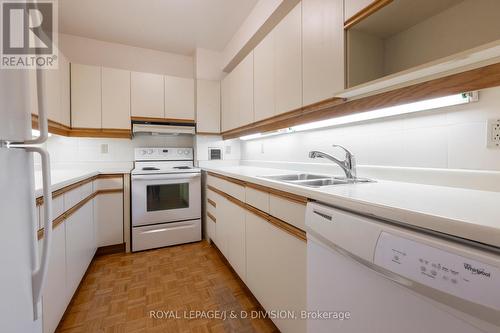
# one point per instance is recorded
(71, 152)
(448, 138)
(231, 150)
(94, 52)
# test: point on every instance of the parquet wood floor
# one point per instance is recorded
(120, 290)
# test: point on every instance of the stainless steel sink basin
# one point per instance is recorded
(313, 180)
(295, 177)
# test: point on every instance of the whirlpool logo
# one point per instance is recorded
(476, 271)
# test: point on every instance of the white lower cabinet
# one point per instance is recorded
(276, 270)
(80, 245)
(230, 230)
(108, 218)
(54, 299)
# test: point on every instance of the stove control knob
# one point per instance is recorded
(150, 151)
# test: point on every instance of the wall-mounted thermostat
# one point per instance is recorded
(215, 153)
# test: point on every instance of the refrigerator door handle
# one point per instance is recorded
(39, 275)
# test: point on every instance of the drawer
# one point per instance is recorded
(257, 199)
(235, 190)
(76, 195)
(289, 211)
(211, 208)
(57, 209)
(160, 235)
(108, 183)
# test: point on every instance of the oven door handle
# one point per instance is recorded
(186, 175)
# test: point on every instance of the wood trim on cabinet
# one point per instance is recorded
(365, 12)
(292, 230)
(164, 120)
(110, 249)
(229, 179)
(475, 79)
(101, 133)
(61, 191)
(207, 133)
(285, 195)
(54, 127)
(283, 120)
(210, 216)
(210, 201)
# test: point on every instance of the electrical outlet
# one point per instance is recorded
(104, 148)
(493, 133)
(262, 148)
(228, 150)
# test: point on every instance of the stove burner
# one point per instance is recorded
(149, 168)
(182, 167)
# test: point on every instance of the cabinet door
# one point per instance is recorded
(54, 298)
(179, 98)
(322, 49)
(264, 106)
(115, 98)
(85, 96)
(208, 109)
(65, 90)
(276, 270)
(288, 64)
(231, 235)
(53, 94)
(147, 92)
(108, 218)
(80, 245)
(241, 103)
(225, 91)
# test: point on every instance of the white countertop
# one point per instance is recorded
(63, 177)
(464, 213)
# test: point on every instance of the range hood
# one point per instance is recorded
(162, 129)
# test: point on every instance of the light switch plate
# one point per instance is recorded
(228, 150)
(104, 148)
(493, 140)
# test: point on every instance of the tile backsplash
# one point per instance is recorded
(447, 138)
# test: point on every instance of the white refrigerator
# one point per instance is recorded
(22, 267)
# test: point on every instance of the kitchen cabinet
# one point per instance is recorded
(54, 298)
(352, 7)
(64, 90)
(208, 106)
(85, 96)
(322, 49)
(115, 98)
(288, 62)
(147, 95)
(179, 98)
(287, 210)
(276, 270)
(226, 115)
(108, 217)
(81, 246)
(241, 93)
(230, 229)
(264, 78)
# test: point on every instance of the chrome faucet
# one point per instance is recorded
(348, 165)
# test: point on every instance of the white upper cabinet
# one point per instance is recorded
(288, 63)
(52, 91)
(115, 98)
(322, 49)
(352, 7)
(225, 92)
(85, 96)
(241, 92)
(179, 98)
(208, 104)
(264, 101)
(64, 90)
(147, 95)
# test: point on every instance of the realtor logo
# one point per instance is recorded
(29, 33)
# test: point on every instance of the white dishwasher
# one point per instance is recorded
(386, 278)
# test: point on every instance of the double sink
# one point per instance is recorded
(313, 180)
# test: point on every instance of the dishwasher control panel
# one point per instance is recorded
(446, 271)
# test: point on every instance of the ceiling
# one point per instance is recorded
(400, 15)
(177, 26)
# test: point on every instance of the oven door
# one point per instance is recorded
(165, 198)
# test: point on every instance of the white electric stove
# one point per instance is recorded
(166, 198)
